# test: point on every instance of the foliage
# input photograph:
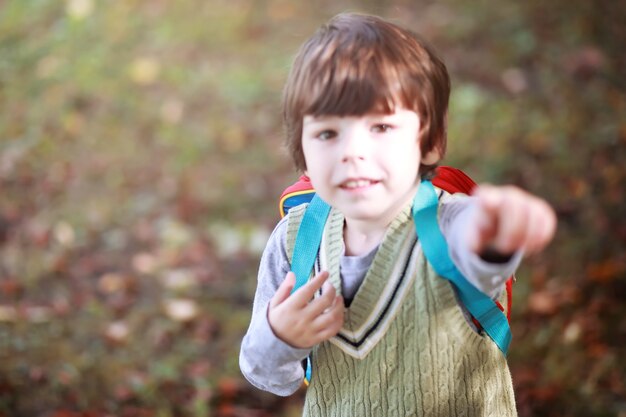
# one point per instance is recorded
(140, 160)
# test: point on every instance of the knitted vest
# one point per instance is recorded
(405, 348)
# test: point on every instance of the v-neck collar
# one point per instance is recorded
(385, 284)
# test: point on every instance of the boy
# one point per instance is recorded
(365, 110)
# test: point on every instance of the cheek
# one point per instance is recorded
(405, 159)
(308, 158)
(314, 168)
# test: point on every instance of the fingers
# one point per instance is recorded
(329, 322)
(490, 198)
(325, 313)
(323, 302)
(542, 226)
(487, 219)
(486, 228)
(510, 220)
(304, 294)
(300, 319)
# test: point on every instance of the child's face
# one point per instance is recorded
(365, 166)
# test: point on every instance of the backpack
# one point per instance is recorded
(488, 315)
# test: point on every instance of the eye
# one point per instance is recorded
(381, 128)
(326, 134)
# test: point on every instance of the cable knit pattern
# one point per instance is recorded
(422, 357)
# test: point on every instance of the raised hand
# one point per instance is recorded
(299, 319)
(509, 219)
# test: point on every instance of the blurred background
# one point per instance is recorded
(141, 163)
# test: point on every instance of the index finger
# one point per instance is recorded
(305, 293)
(489, 198)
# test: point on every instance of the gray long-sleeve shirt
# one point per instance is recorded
(272, 365)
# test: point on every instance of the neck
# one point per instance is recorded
(360, 237)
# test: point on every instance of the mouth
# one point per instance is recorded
(355, 184)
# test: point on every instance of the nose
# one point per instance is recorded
(354, 145)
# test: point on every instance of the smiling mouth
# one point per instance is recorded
(356, 184)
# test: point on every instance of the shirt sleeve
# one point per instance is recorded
(456, 213)
(266, 361)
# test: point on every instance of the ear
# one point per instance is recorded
(431, 158)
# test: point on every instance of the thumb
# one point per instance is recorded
(489, 199)
(284, 290)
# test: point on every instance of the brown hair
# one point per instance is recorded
(356, 64)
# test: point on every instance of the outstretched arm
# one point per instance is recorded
(479, 230)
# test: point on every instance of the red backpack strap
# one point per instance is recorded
(453, 180)
(509, 297)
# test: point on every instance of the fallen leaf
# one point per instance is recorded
(64, 233)
(572, 333)
(542, 302)
(117, 332)
(606, 271)
(79, 9)
(38, 314)
(179, 279)
(144, 71)
(180, 309)
(10, 287)
(8, 313)
(111, 282)
(145, 263)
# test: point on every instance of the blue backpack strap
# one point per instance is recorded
(305, 250)
(308, 240)
(435, 248)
